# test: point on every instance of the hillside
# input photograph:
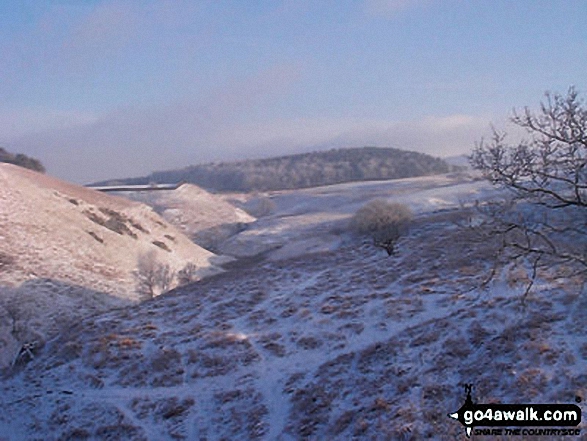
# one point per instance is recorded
(315, 219)
(302, 170)
(66, 251)
(344, 343)
(203, 217)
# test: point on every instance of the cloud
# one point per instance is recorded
(439, 136)
(138, 139)
(133, 142)
(16, 123)
(231, 122)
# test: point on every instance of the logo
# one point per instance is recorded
(561, 416)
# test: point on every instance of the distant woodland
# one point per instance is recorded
(21, 160)
(302, 170)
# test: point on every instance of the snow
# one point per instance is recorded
(202, 216)
(311, 220)
(73, 252)
(325, 339)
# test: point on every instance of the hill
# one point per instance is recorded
(314, 219)
(340, 344)
(205, 218)
(67, 251)
(302, 170)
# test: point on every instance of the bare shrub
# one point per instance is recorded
(385, 222)
(260, 206)
(18, 317)
(187, 274)
(153, 277)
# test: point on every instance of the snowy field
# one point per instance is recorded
(326, 338)
(315, 219)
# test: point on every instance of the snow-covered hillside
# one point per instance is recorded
(346, 343)
(205, 218)
(67, 251)
(312, 220)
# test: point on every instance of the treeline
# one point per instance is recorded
(21, 160)
(302, 170)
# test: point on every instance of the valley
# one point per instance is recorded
(320, 336)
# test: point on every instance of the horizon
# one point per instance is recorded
(101, 90)
(280, 156)
(108, 182)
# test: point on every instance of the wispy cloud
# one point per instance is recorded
(161, 84)
(175, 136)
(21, 122)
(151, 137)
(441, 136)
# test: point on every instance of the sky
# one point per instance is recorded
(101, 89)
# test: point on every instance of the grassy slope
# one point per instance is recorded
(336, 345)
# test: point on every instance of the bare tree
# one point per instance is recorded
(187, 274)
(10, 305)
(544, 217)
(21, 328)
(153, 277)
(384, 221)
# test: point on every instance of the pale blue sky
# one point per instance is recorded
(104, 89)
